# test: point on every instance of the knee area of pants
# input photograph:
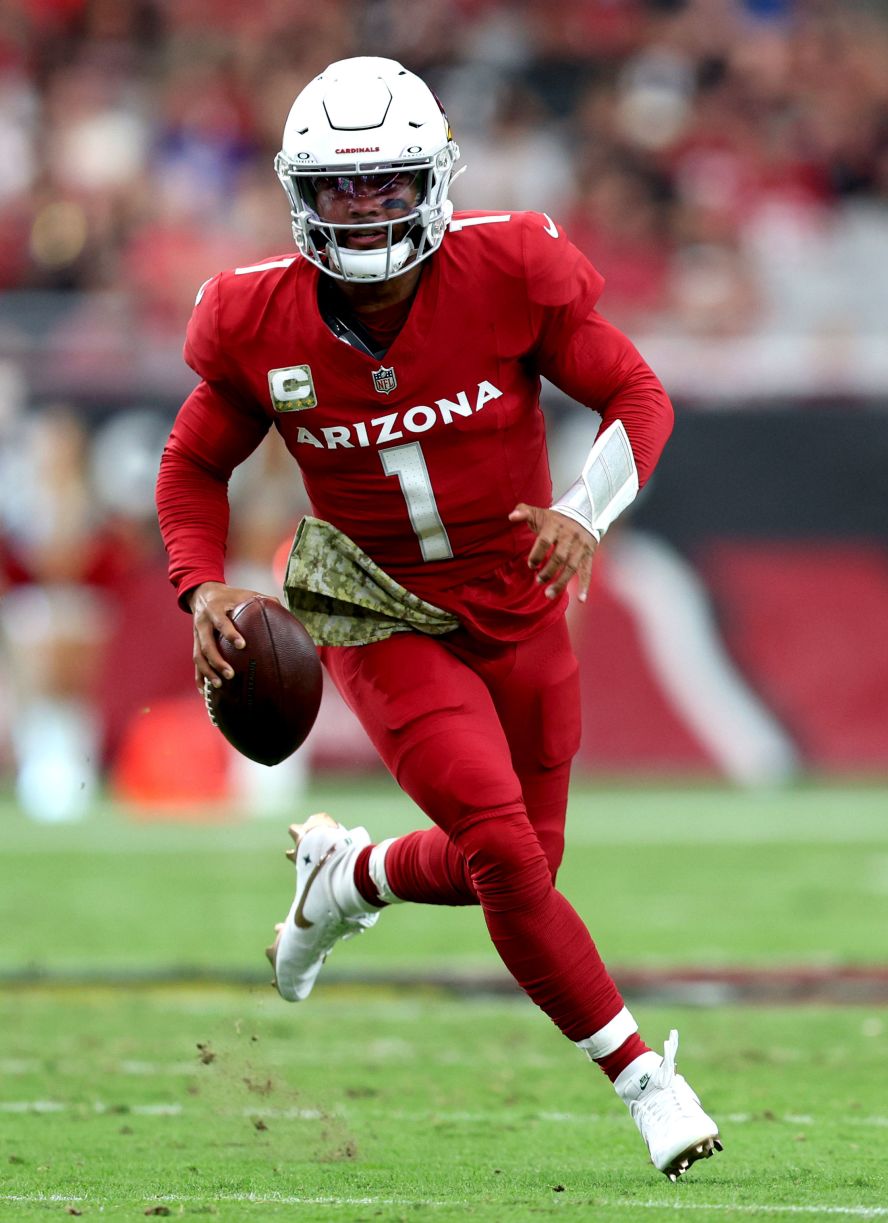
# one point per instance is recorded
(504, 854)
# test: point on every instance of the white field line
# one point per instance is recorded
(754, 1208)
(747, 1208)
(98, 1106)
(32, 1065)
(433, 1116)
(156, 1069)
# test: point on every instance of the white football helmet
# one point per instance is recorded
(367, 116)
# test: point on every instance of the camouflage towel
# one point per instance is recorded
(344, 598)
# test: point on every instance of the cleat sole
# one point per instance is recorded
(699, 1150)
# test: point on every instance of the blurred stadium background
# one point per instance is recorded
(723, 162)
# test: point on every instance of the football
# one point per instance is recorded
(268, 708)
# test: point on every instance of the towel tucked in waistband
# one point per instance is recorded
(344, 598)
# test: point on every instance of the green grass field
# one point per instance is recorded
(147, 1068)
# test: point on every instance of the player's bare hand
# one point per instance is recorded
(211, 603)
(562, 548)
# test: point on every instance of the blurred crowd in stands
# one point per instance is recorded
(723, 162)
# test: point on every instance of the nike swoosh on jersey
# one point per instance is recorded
(302, 922)
(551, 229)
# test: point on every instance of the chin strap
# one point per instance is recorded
(607, 485)
(370, 265)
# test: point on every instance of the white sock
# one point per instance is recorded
(609, 1038)
(378, 875)
(342, 882)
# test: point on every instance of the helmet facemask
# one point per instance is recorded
(325, 243)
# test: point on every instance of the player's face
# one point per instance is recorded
(361, 199)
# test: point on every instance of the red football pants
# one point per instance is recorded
(481, 738)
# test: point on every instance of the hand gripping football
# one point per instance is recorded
(268, 708)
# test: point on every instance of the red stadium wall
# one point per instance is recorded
(805, 627)
(808, 624)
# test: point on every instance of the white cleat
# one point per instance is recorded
(325, 852)
(670, 1118)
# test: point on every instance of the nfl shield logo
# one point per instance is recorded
(384, 379)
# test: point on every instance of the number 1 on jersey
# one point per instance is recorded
(409, 465)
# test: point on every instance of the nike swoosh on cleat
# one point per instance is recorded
(551, 229)
(302, 922)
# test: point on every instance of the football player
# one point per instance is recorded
(399, 353)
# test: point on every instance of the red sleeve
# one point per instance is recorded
(203, 352)
(584, 354)
(211, 436)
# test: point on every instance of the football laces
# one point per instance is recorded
(208, 699)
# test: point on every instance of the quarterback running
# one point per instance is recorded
(399, 351)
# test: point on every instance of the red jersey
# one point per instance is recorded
(419, 457)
